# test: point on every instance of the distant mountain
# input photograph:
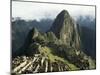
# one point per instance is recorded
(87, 26)
(88, 38)
(21, 28)
(58, 49)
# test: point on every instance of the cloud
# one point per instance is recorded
(30, 10)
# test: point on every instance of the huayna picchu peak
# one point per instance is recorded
(65, 28)
(59, 49)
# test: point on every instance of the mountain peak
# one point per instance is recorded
(64, 12)
(65, 29)
(62, 18)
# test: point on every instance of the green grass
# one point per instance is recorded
(48, 52)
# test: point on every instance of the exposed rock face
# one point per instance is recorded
(65, 29)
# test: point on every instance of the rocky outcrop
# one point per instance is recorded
(65, 29)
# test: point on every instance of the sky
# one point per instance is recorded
(31, 10)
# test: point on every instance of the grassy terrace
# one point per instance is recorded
(46, 51)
